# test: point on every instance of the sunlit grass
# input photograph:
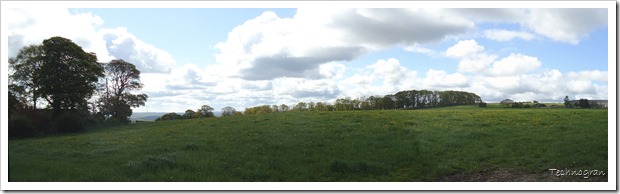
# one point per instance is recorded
(408, 145)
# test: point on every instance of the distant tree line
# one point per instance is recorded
(205, 111)
(74, 88)
(409, 99)
(581, 103)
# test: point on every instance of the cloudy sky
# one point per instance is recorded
(244, 57)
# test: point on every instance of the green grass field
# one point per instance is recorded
(443, 144)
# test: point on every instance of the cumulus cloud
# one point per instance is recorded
(507, 35)
(547, 86)
(33, 25)
(269, 46)
(514, 64)
(594, 75)
(441, 79)
(123, 45)
(384, 27)
(566, 25)
(300, 88)
(332, 70)
(471, 56)
(495, 15)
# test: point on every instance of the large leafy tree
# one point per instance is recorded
(228, 111)
(121, 78)
(206, 111)
(25, 68)
(68, 75)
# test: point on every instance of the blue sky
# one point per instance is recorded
(253, 56)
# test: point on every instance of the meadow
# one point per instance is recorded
(441, 144)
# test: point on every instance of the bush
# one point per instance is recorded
(69, 123)
(482, 105)
(20, 126)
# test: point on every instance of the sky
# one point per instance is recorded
(245, 57)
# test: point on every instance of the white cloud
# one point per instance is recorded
(594, 75)
(123, 45)
(269, 47)
(515, 64)
(464, 48)
(471, 55)
(391, 71)
(419, 49)
(565, 25)
(441, 79)
(300, 88)
(507, 35)
(332, 70)
(33, 25)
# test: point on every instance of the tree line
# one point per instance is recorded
(409, 99)
(74, 87)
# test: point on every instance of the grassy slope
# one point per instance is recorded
(418, 145)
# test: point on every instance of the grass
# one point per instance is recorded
(406, 145)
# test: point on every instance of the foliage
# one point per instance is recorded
(13, 103)
(264, 109)
(583, 103)
(507, 102)
(229, 111)
(482, 104)
(169, 116)
(206, 111)
(26, 68)
(20, 126)
(68, 75)
(189, 114)
(567, 102)
(121, 79)
(69, 122)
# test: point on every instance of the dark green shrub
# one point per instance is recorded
(482, 104)
(20, 126)
(69, 123)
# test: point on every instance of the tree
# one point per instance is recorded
(121, 79)
(301, 106)
(566, 102)
(584, 103)
(506, 102)
(67, 76)
(228, 111)
(189, 114)
(169, 116)
(284, 108)
(197, 114)
(207, 111)
(25, 67)
(13, 103)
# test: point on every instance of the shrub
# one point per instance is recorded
(169, 116)
(69, 123)
(482, 104)
(517, 105)
(20, 126)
